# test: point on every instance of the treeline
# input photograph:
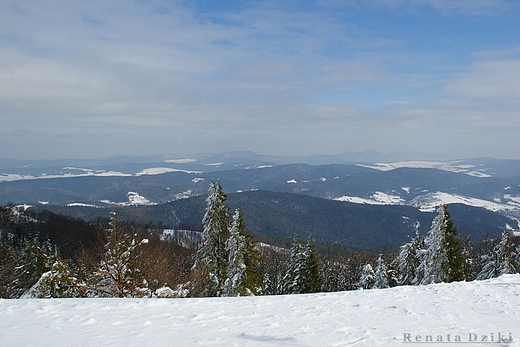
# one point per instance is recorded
(46, 255)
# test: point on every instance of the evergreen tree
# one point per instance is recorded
(507, 259)
(442, 259)
(470, 267)
(501, 260)
(212, 257)
(312, 268)
(381, 275)
(242, 278)
(367, 279)
(408, 261)
(118, 274)
(303, 273)
(59, 282)
(34, 262)
(294, 279)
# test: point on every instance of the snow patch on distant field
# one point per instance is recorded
(79, 204)
(183, 195)
(514, 199)
(162, 170)
(292, 181)
(378, 317)
(197, 180)
(378, 198)
(134, 199)
(181, 161)
(430, 202)
(451, 167)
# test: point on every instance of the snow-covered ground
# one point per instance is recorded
(456, 312)
(429, 202)
(454, 166)
(378, 198)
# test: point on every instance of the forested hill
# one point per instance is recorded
(286, 215)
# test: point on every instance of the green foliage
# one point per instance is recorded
(454, 266)
(312, 268)
(368, 277)
(212, 256)
(33, 263)
(59, 282)
(303, 273)
(242, 277)
(118, 274)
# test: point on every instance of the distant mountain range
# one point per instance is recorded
(360, 203)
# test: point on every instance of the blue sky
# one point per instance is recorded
(91, 79)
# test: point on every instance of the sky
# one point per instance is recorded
(90, 79)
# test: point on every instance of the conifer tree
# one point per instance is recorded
(118, 274)
(501, 260)
(294, 279)
(212, 257)
(442, 259)
(367, 279)
(408, 261)
(381, 274)
(303, 273)
(312, 268)
(59, 282)
(242, 278)
(34, 262)
(507, 263)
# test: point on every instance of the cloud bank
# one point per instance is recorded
(91, 79)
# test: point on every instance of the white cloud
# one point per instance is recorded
(282, 75)
(490, 81)
(446, 7)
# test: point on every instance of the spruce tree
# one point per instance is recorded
(408, 261)
(212, 257)
(291, 280)
(34, 262)
(118, 274)
(508, 264)
(501, 260)
(312, 268)
(367, 279)
(442, 259)
(59, 282)
(381, 274)
(454, 267)
(242, 278)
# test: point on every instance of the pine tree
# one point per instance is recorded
(442, 259)
(381, 275)
(242, 278)
(212, 257)
(367, 279)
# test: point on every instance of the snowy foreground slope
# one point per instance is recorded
(468, 312)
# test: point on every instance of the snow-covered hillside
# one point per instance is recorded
(456, 312)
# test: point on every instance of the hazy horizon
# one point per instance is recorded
(96, 79)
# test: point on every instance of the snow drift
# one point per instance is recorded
(477, 312)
